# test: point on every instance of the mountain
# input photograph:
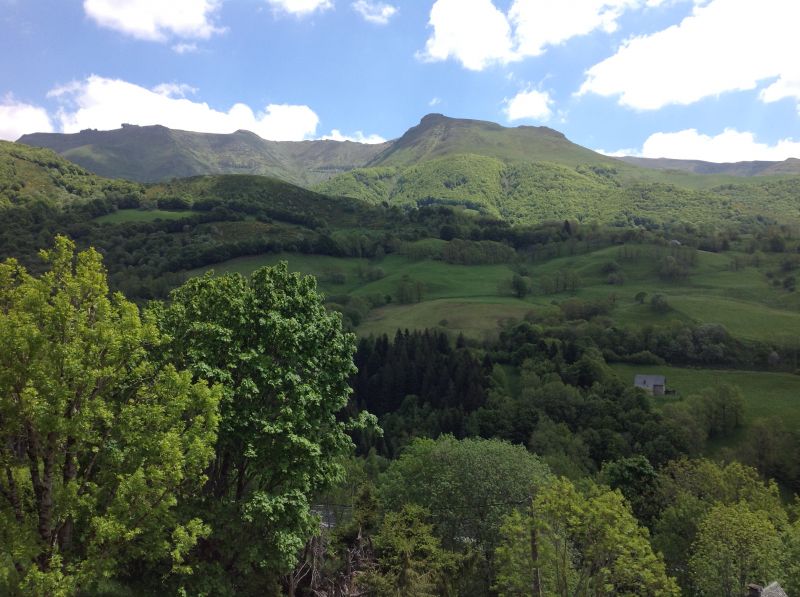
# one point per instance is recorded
(437, 135)
(31, 174)
(755, 168)
(521, 174)
(157, 153)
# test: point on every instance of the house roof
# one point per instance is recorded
(648, 381)
(773, 590)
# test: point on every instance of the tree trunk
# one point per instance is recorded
(70, 473)
(536, 580)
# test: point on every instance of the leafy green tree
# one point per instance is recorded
(285, 364)
(519, 286)
(636, 478)
(468, 486)
(689, 489)
(791, 570)
(659, 304)
(97, 442)
(410, 559)
(735, 546)
(640, 297)
(579, 545)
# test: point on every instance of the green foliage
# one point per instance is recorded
(29, 175)
(284, 362)
(468, 487)
(580, 544)
(410, 559)
(689, 489)
(735, 546)
(98, 442)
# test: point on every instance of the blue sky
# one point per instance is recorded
(707, 79)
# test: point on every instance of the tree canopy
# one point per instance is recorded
(97, 442)
(284, 362)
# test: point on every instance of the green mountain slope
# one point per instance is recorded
(523, 192)
(29, 174)
(437, 135)
(156, 153)
(754, 168)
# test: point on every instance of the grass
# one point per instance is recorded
(766, 394)
(474, 318)
(470, 300)
(124, 216)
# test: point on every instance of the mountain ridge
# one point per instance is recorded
(155, 153)
(743, 168)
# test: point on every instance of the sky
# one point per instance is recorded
(717, 80)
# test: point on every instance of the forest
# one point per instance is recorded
(445, 407)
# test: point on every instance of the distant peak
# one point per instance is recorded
(433, 118)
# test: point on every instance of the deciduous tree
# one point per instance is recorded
(97, 442)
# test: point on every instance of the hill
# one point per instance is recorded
(157, 153)
(754, 168)
(437, 135)
(29, 174)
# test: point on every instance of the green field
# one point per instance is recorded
(124, 216)
(766, 394)
(475, 318)
(470, 298)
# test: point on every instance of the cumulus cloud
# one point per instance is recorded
(724, 45)
(301, 7)
(787, 86)
(728, 146)
(474, 32)
(375, 12)
(538, 26)
(18, 118)
(102, 103)
(156, 20)
(357, 137)
(478, 34)
(529, 104)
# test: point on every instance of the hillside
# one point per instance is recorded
(29, 174)
(521, 192)
(156, 153)
(437, 135)
(754, 168)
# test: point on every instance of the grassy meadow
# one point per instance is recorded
(124, 216)
(475, 299)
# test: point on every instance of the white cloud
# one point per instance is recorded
(529, 104)
(103, 103)
(541, 24)
(174, 89)
(357, 137)
(435, 101)
(156, 20)
(18, 118)
(474, 32)
(728, 146)
(301, 7)
(375, 12)
(184, 48)
(787, 86)
(619, 153)
(724, 45)
(478, 34)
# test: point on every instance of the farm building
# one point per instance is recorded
(652, 384)
(771, 590)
